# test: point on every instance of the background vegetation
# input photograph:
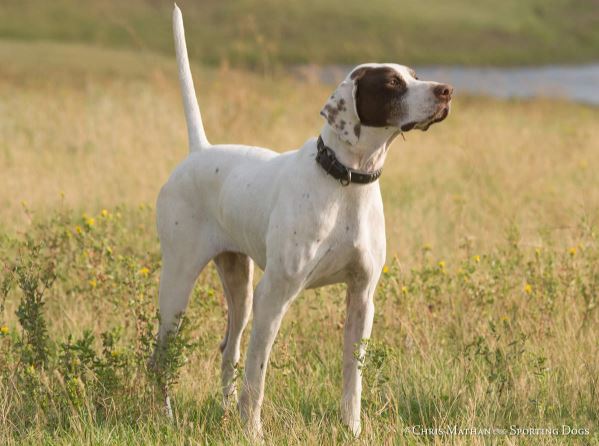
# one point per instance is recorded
(266, 33)
(486, 312)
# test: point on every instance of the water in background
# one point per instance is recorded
(578, 83)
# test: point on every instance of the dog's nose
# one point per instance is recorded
(443, 91)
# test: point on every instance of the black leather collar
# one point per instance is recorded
(329, 162)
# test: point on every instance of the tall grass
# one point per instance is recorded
(486, 314)
(503, 339)
(78, 129)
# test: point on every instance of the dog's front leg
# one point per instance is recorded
(358, 325)
(271, 300)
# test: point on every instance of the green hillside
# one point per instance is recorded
(267, 33)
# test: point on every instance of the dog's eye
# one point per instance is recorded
(394, 81)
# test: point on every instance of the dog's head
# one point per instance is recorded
(385, 95)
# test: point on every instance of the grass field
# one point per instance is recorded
(486, 313)
(263, 34)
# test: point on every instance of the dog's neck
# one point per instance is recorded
(368, 154)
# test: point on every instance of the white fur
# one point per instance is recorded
(195, 127)
(238, 204)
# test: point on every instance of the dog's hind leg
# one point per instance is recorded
(176, 282)
(236, 273)
(186, 249)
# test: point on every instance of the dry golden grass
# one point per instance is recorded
(106, 127)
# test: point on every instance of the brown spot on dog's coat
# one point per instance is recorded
(330, 113)
(357, 130)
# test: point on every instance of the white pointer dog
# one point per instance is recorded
(308, 218)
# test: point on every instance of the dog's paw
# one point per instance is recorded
(351, 421)
(354, 426)
(230, 400)
(254, 432)
(252, 424)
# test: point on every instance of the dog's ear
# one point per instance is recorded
(340, 110)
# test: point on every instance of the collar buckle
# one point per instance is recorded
(347, 179)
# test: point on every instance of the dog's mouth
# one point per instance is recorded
(439, 115)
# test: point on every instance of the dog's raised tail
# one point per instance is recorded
(193, 117)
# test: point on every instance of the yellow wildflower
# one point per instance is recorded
(504, 318)
(427, 247)
(404, 289)
(385, 269)
(572, 251)
(144, 271)
(30, 370)
(115, 353)
(4, 330)
(78, 229)
(93, 283)
(528, 288)
(76, 381)
(441, 264)
(476, 258)
(108, 250)
(90, 221)
(104, 213)
(457, 198)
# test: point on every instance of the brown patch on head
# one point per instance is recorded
(357, 130)
(379, 95)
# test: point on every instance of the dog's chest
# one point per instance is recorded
(341, 241)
